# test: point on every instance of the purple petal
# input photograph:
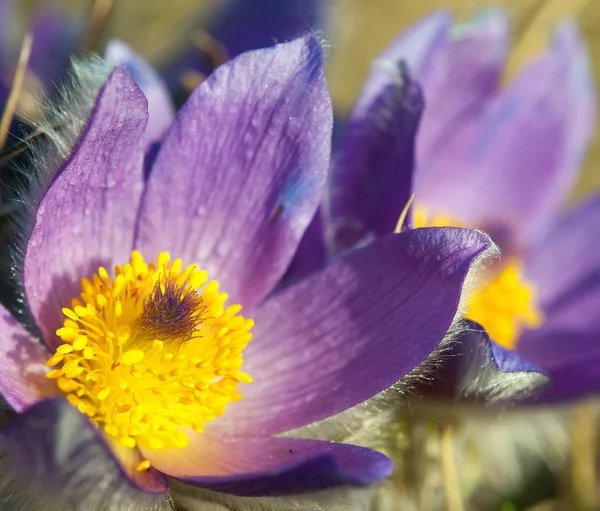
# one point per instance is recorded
(240, 173)
(575, 380)
(581, 119)
(87, 216)
(270, 466)
(372, 179)
(533, 134)
(160, 107)
(571, 329)
(574, 237)
(461, 77)
(311, 254)
(566, 270)
(58, 450)
(553, 349)
(23, 368)
(352, 330)
(475, 368)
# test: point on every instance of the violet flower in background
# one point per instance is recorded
(56, 38)
(504, 159)
(235, 182)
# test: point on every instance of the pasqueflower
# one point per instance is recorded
(136, 366)
(504, 159)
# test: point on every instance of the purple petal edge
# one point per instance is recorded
(371, 180)
(87, 216)
(57, 446)
(478, 369)
(572, 381)
(270, 466)
(23, 367)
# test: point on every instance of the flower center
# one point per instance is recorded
(504, 303)
(152, 352)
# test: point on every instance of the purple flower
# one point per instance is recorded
(504, 160)
(501, 159)
(148, 371)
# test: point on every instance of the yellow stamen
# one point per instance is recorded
(422, 218)
(143, 466)
(504, 303)
(151, 353)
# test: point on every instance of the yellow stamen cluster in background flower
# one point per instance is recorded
(422, 218)
(504, 303)
(152, 352)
